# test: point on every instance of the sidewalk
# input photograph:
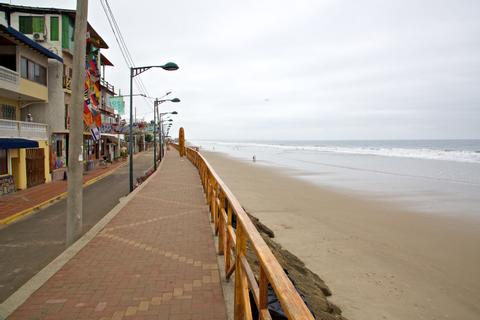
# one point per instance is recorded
(154, 260)
(15, 205)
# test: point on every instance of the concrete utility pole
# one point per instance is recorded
(75, 154)
(155, 106)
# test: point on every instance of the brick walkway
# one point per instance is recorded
(154, 260)
(11, 204)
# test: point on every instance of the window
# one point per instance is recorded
(3, 162)
(30, 70)
(24, 67)
(40, 75)
(26, 25)
(54, 29)
(7, 112)
(59, 148)
(31, 24)
(33, 71)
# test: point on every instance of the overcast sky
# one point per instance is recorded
(327, 69)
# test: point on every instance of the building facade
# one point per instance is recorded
(54, 29)
(24, 138)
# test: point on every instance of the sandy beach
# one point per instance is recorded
(380, 261)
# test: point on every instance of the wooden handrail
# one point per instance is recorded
(224, 206)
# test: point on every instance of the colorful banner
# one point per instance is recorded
(118, 104)
(92, 94)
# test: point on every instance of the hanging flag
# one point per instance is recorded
(98, 120)
(95, 133)
(87, 114)
(96, 87)
(93, 67)
(93, 100)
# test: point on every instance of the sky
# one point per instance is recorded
(309, 70)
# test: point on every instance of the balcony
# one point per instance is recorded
(107, 86)
(21, 129)
(67, 83)
(9, 79)
(13, 87)
(108, 109)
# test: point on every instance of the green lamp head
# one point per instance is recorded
(170, 66)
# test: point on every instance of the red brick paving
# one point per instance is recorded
(11, 204)
(154, 260)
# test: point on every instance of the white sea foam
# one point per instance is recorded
(415, 153)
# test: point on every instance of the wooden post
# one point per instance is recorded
(263, 291)
(239, 311)
(221, 225)
(213, 205)
(228, 257)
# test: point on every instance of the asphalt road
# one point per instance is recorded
(27, 246)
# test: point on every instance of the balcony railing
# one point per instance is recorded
(21, 129)
(8, 75)
(9, 79)
(107, 85)
(67, 83)
(107, 108)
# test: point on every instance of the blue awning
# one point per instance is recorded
(17, 143)
(29, 42)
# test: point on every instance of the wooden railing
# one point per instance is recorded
(232, 243)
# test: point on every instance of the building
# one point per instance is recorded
(24, 139)
(54, 29)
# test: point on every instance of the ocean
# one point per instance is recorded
(432, 176)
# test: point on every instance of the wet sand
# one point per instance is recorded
(379, 260)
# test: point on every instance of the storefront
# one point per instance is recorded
(23, 164)
(59, 155)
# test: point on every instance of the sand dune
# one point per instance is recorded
(380, 261)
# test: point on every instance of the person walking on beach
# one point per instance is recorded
(254, 158)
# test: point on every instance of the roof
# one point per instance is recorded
(105, 61)
(19, 38)
(38, 10)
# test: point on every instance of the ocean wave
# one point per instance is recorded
(414, 153)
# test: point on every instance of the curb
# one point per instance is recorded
(28, 211)
(24, 292)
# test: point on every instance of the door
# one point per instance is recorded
(35, 166)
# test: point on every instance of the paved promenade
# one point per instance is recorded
(154, 260)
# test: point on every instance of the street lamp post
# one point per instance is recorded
(155, 112)
(161, 129)
(155, 106)
(135, 71)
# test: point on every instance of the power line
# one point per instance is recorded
(132, 63)
(123, 46)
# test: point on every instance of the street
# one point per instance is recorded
(30, 244)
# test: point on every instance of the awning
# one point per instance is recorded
(16, 143)
(105, 61)
(110, 137)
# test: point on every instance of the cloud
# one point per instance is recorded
(329, 69)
